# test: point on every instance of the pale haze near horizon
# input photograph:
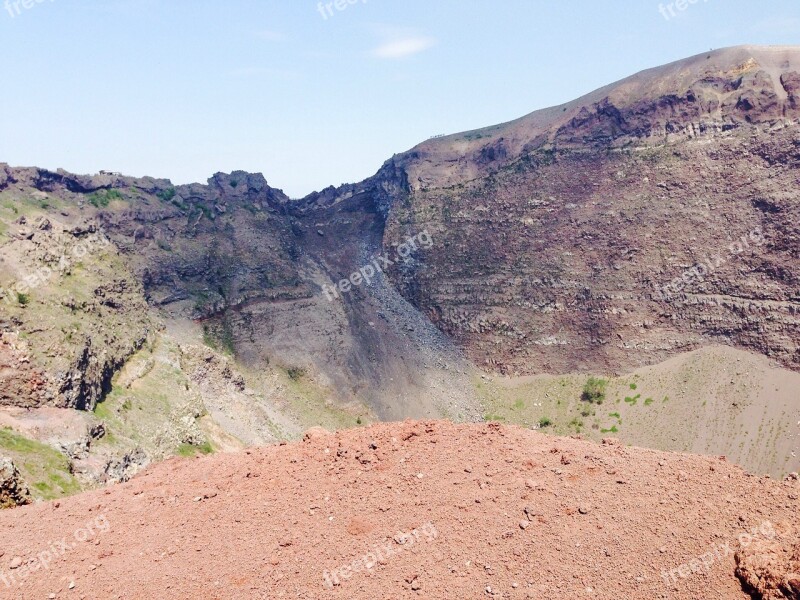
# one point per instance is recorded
(317, 94)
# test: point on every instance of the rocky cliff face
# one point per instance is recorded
(646, 219)
(71, 311)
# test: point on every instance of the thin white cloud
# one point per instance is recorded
(403, 48)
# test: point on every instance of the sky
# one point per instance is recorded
(313, 96)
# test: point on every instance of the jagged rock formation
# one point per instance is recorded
(13, 491)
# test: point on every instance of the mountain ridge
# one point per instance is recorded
(578, 246)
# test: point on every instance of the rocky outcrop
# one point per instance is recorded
(770, 568)
(21, 383)
(791, 83)
(71, 312)
(13, 491)
(212, 372)
(120, 470)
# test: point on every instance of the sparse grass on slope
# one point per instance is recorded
(44, 469)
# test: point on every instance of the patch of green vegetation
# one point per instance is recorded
(519, 404)
(648, 402)
(43, 488)
(665, 400)
(219, 338)
(166, 195)
(102, 411)
(45, 469)
(612, 430)
(594, 391)
(545, 422)
(190, 451)
(207, 212)
(102, 198)
(633, 386)
(23, 299)
(577, 424)
(634, 400)
(616, 415)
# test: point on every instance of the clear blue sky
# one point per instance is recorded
(184, 88)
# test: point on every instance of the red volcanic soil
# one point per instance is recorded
(404, 510)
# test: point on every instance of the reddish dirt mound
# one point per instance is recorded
(425, 510)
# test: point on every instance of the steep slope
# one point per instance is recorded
(715, 401)
(118, 296)
(443, 511)
(652, 217)
(182, 319)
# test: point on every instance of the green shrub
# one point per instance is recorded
(594, 391)
(166, 195)
(190, 451)
(23, 299)
(545, 422)
(102, 198)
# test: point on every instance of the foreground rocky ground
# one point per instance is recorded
(415, 509)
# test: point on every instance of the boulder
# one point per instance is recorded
(769, 568)
(13, 491)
